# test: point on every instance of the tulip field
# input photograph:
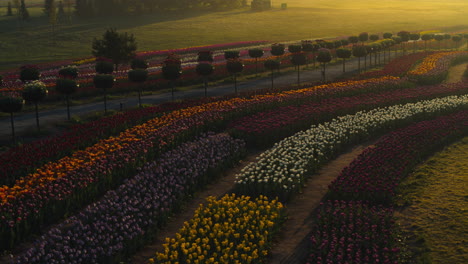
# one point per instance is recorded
(101, 191)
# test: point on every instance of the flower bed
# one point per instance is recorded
(375, 174)
(282, 170)
(353, 232)
(265, 128)
(231, 229)
(127, 217)
(397, 67)
(434, 69)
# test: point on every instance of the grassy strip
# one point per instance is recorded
(433, 200)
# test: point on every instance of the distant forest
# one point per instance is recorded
(89, 8)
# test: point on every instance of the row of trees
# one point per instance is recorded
(87, 8)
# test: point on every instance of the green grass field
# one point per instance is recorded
(436, 214)
(303, 19)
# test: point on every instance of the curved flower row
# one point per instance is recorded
(281, 170)
(122, 218)
(434, 68)
(227, 230)
(375, 174)
(398, 66)
(353, 232)
(18, 161)
(267, 127)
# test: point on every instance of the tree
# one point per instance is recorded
(119, 47)
(272, 65)
(46, 9)
(256, 53)
(387, 35)
(204, 69)
(439, 39)
(405, 37)
(138, 76)
(324, 56)
(234, 66)
(344, 54)
(425, 38)
(67, 87)
(456, 39)
(298, 59)
(52, 18)
(172, 70)
(374, 37)
(104, 81)
(353, 39)
(363, 37)
(447, 37)
(465, 36)
(61, 14)
(414, 37)
(29, 73)
(397, 41)
(277, 49)
(104, 66)
(11, 104)
(205, 55)
(9, 10)
(34, 92)
(231, 54)
(69, 72)
(24, 13)
(359, 51)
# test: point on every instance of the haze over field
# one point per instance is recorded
(303, 19)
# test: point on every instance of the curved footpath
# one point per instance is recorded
(288, 246)
(27, 121)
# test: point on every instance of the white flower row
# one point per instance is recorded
(283, 167)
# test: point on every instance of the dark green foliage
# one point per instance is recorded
(34, 92)
(277, 49)
(65, 86)
(353, 39)
(119, 47)
(299, 59)
(374, 37)
(397, 39)
(234, 66)
(387, 35)
(24, 13)
(138, 75)
(294, 48)
(414, 36)
(204, 69)
(404, 35)
(363, 37)
(231, 54)
(324, 56)
(344, 42)
(11, 104)
(139, 64)
(103, 81)
(29, 73)
(104, 67)
(359, 51)
(205, 55)
(256, 53)
(343, 53)
(171, 72)
(70, 72)
(271, 64)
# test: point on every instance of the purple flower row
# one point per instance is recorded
(126, 216)
(353, 232)
(376, 173)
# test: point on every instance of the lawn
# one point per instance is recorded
(302, 19)
(436, 215)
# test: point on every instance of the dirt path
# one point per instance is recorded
(456, 73)
(299, 209)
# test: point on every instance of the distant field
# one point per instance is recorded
(303, 19)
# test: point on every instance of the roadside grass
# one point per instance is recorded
(168, 30)
(434, 202)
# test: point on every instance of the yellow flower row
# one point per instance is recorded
(227, 230)
(143, 133)
(431, 62)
